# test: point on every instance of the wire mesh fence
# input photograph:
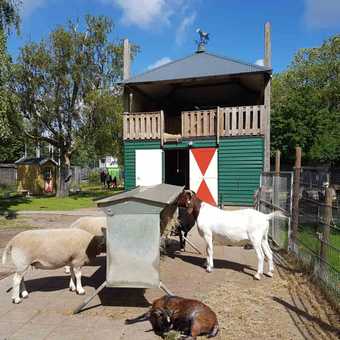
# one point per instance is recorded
(317, 241)
(276, 194)
(317, 244)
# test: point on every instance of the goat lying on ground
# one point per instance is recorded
(95, 225)
(234, 227)
(191, 317)
(51, 249)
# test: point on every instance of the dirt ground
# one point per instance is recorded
(285, 307)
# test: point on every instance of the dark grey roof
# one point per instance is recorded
(39, 161)
(160, 194)
(197, 65)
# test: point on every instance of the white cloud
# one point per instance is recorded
(259, 62)
(183, 27)
(159, 62)
(322, 13)
(144, 13)
(29, 6)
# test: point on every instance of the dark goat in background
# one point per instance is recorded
(186, 222)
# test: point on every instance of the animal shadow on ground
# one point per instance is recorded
(218, 263)
(304, 315)
(108, 296)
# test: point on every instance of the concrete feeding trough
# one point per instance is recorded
(135, 221)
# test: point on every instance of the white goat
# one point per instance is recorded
(51, 249)
(233, 227)
(95, 225)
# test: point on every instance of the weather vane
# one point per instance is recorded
(204, 38)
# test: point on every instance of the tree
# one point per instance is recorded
(10, 144)
(101, 136)
(306, 104)
(57, 80)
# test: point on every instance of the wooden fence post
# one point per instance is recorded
(277, 162)
(296, 194)
(275, 234)
(326, 228)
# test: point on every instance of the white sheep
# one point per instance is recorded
(233, 227)
(95, 225)
(51, 249)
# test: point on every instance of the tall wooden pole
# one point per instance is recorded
(267, 94)
(127, 97)
(296, 195)
(126, 59)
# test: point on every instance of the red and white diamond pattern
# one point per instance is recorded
(203, 174)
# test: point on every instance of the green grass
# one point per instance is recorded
(83, 199)
(308, 237)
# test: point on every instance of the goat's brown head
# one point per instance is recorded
(188, 199)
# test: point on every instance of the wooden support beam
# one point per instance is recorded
(126, 59)
(267, 94)
(277, 162)
(296, 197)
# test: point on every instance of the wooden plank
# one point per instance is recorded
(227, 113)
(233, 121)
(131, 135)
(199, 123)
(192, 123)
(255, 129)
(205, 123)
(240, 120)
(211, 122)
(148, 127)
(125, 127)
(137, 127)
(142, 134)
(247, 123)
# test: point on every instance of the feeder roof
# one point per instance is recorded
(160, 195)
(197, 65)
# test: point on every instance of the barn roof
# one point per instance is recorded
(197, 65)
(37, 161)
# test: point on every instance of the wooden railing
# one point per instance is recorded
(143, 125)
(219, 122)
(227, 121)
(199, 123)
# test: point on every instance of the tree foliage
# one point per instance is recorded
(306, 104)
(61, 82)
(10, 140)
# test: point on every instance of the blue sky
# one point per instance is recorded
(165, 29)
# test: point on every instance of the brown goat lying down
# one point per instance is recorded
(190, 317)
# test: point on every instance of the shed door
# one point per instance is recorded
(203, 174)
(149, 167)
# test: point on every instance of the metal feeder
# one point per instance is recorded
(135, 221)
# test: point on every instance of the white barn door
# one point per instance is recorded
(149, 167)
(203, 174)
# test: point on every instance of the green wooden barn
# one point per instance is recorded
(202, 122)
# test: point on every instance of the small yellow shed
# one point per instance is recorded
(37, 176)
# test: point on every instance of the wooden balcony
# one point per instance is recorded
(219, 122)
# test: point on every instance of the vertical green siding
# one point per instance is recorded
(240, 162)
(130, 159)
